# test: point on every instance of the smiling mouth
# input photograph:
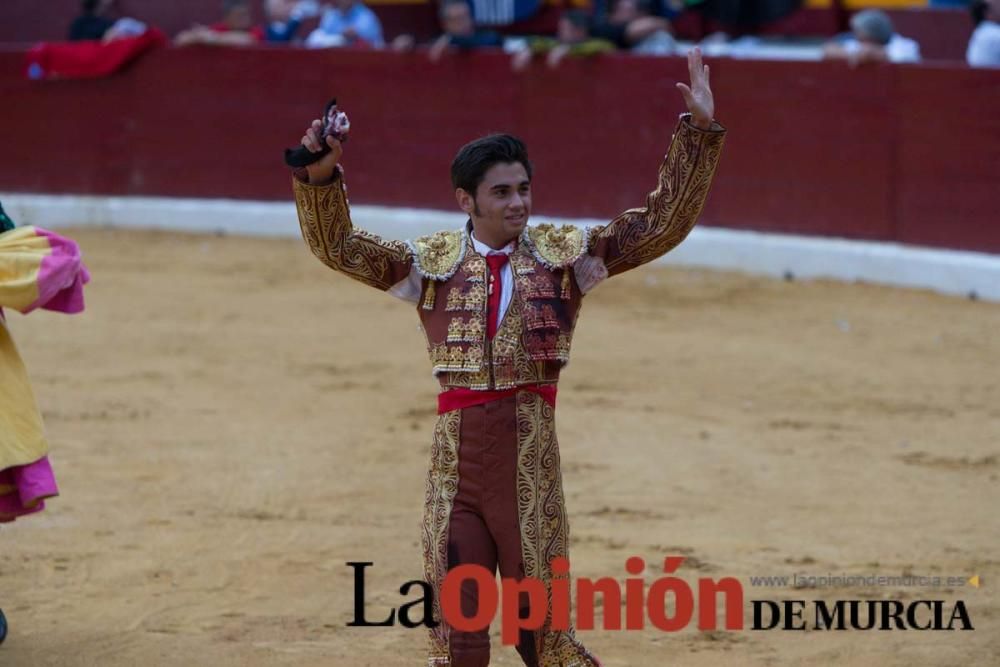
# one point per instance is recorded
(515, 218)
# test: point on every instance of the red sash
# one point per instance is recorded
(458, 398)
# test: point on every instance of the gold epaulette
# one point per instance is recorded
(437, 256)
(556, 247)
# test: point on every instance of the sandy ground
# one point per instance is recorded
(231, 422)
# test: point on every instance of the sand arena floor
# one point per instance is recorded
(231, 422)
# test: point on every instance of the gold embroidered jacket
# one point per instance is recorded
(553, 268)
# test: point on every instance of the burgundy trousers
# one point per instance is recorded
(484, 527)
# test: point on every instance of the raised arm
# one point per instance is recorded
(325, 219)
(640, 235)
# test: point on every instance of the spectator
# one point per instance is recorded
(285, 17)
(984, 46)
(458, 32)
(347, 23)
(669, 9)
(632, 25)
(235, 29)
(503, 12)
(572, 39)
(874, 39)
(93, 22)
(283, 22)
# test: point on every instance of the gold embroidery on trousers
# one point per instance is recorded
(439, 495)
(542, 518)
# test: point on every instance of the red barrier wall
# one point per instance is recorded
(888, 153)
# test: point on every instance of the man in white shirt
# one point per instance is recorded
(874, 39)
(984, 46)
(347, 23)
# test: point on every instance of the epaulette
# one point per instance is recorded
(556, 247)
(437, 256)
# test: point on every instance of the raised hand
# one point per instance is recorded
(698, 96)
(322, 171)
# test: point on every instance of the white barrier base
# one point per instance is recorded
(947, 271)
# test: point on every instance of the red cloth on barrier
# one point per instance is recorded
(88, 59)
(460, 397)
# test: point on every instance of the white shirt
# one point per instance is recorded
(984, 46)
(899, 49)
(409, 288)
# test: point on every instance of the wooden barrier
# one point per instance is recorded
(888, 153)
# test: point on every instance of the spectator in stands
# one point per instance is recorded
(572, 39)
(347, 23)
(235, 29)
(632, 25)
(458, 32)
(873, 39)
(93, 22)
(668, 9)
(503, 12)
(984, 46)
(284, 18)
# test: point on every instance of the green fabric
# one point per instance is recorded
(587, 47)
(590, 47)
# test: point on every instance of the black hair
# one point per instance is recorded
(977, 10)
(475, 158)
(90, 6)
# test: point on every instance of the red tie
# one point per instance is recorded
(496, 261)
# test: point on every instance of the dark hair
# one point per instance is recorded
(476, 157)
(89, 6)
(577, 18)
(977, 10)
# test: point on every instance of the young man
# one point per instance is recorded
(498, 301)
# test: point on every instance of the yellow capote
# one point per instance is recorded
(21, 255)
(22, 437)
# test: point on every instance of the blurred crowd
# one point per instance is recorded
(637, 26)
